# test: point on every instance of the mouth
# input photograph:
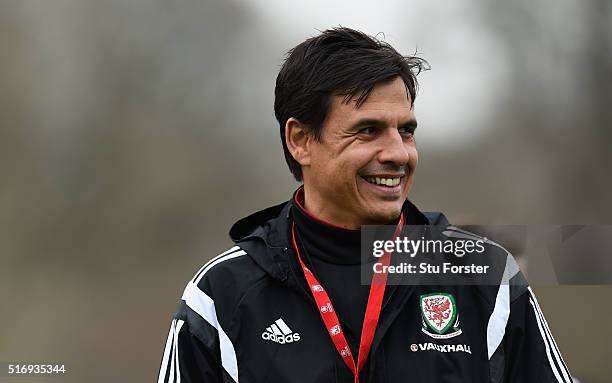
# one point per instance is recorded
(386, 181)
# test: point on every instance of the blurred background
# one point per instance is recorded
(134, 133)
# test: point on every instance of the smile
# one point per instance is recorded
(389, 182)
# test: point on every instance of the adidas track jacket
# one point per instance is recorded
(247, 316)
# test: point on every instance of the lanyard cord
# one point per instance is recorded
(330, 319)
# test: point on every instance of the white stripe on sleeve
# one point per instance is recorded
(496, 328)
(546, 345)
(202, 304)
(172, 358)
(164, 365)
(551, 339)
(233, 249)
(216, 261)
(179, 324)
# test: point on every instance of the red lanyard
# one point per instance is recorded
(328, 314)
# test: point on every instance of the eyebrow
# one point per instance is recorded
(412, 123)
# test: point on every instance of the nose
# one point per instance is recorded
(394, 149)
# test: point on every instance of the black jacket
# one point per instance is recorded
(247, 316)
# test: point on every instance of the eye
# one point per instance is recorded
(368, 130)
(407, 131)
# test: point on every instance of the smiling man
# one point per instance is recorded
(359, 169)
(286, 302)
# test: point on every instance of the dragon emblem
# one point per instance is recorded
(439, 313)
(437, 310)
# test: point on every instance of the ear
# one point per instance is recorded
(298, 139)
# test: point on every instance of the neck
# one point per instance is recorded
(323, 240)
(315, 206)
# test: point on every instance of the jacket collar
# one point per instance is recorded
(266, 234)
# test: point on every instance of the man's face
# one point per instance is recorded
(361, 170)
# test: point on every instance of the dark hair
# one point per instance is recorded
(339, 61)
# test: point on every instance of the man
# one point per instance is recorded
(286, 303)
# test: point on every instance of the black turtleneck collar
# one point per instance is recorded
(332, 243)
(323, 240)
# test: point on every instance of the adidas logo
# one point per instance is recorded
(280, 333)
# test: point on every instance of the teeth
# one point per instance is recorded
(384, 181)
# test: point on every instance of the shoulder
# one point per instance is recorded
(218, 286)
(505, 271)
(493, 249)
(228, 272)
(436, 218)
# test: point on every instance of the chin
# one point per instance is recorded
(385, 215)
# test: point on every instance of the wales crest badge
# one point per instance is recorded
(439, 315)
